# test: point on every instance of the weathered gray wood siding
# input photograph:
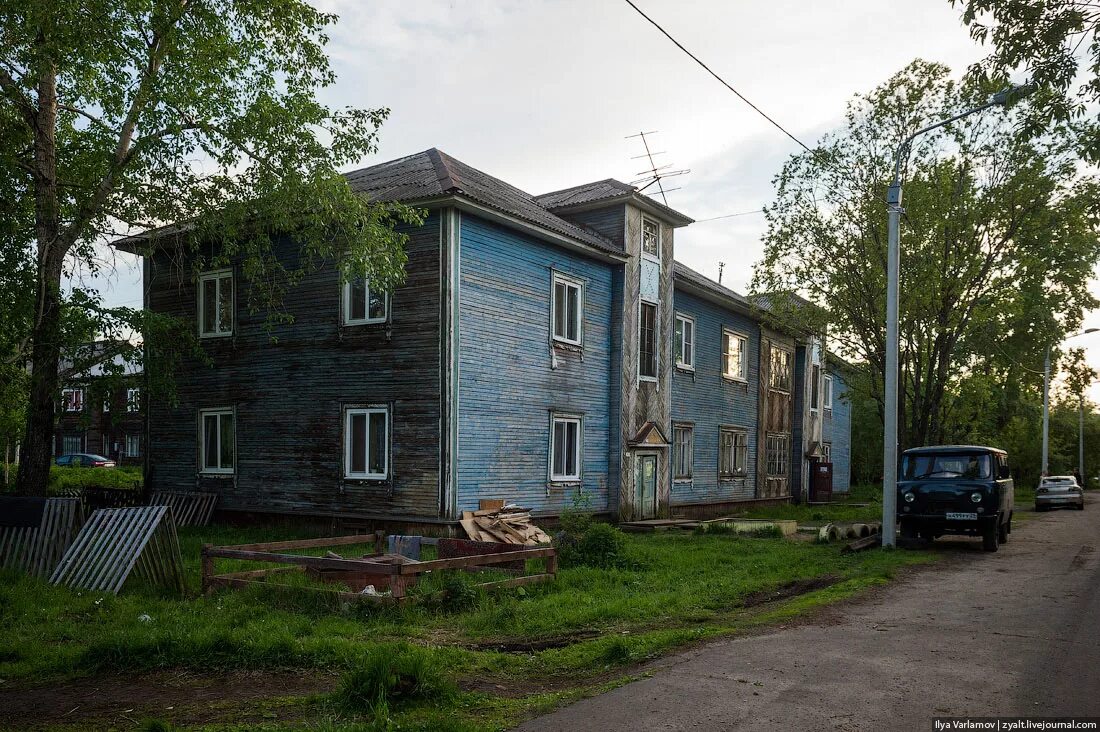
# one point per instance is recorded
(289, 395)
(610, 221)
(511, 377)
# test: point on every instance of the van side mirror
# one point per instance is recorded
(1005, 474)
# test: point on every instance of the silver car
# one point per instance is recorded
(1059, 490)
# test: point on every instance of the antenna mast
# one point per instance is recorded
(655, 173)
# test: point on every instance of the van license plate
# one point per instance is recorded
(962, 516)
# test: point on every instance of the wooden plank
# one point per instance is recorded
(305, 543)
(490, 504)
(530, 579)
(477, 560)
(222, 581)
(318, 562)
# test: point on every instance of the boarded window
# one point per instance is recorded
(567, 309)
(565, 448)
(683, 449)
(651, 239)
(218, 440)
(734, 362)
(685, 342)
(778, 455)
(733, 452)
(647, 348)
(216, 303)
(367, 446)
(364, 304)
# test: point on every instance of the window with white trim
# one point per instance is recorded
(685, 342)
(133, 400)
(733, 453)
(827, 451)
(734, 362)
(651, 239)
(367, 443)
(106, 403)
(216, 303)
(778, 455)
(647, 342)
(133, 445)
(72, 400)
(363, 304)
(683, 452)
(828, 399)
(217, 441)
(567, 310)
(565, 448)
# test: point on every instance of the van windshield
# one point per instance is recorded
(948, 465)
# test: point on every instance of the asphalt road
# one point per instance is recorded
(1013, 633)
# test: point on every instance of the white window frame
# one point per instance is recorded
(137, 441)
(578, 285)
(687, 360)
(578, 448)
(827, 397)
(827, 451)
(366, 474)
(133, 400)
(218, 412)
(739, 467)
(678, 452)
(220, 331)
(744, 360)
(72, 405)
(366, 320)
(656, 341)
(660, 244)
(107, 404)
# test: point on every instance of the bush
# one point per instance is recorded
(65, 479)
(596, 545)
(458, 593)
(390, 676)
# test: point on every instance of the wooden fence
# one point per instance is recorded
(36, 546)
(189, 508)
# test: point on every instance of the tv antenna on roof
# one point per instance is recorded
(655, 173)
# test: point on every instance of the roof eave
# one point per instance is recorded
(645, 203)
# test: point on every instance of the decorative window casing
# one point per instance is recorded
(567, 310)
(827, 402)
(217, 441)
(216, 304)
(685, 342)
(133, 445)
(133, 400)
(651, 239)
(778, 455)
(648, 337)
(733, 453)
(683, 452)
(779, 375)
(72, 400)
(364, 305)
(367, 443)
(566, 447)
(734, 355)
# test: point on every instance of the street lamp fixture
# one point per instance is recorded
(1046, 411)
(1004, 98)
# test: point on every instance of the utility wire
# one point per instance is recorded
(730, 216)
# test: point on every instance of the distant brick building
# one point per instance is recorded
(102, 415)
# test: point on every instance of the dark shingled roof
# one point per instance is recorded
(608, 190)
(687, 274)
(434, 174)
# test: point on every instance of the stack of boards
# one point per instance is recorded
(504, 524)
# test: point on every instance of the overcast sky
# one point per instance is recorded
(543, 93)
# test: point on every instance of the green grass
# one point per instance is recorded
(677, 589)
(65, 479)
(844, 507)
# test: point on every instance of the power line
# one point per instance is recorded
(730, 216)
(724, 83)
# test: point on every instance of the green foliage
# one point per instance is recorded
(388, 677)
(998, 243)
(597, 545)
(458, 593)
(65, 479)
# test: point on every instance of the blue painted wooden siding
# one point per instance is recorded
(507, 388)
(837, 430)
(709, 401)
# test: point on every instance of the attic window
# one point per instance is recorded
(651, 239)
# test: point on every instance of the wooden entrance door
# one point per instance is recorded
(645, 485)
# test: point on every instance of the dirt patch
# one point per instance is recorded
(179, 696)
(533, 646)
(789, 590)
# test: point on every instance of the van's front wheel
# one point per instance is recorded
(991, 537)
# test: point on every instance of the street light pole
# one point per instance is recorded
(1003, 98)
(1046, 413)
(1081, 438)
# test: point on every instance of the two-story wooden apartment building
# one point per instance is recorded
(547, 350)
